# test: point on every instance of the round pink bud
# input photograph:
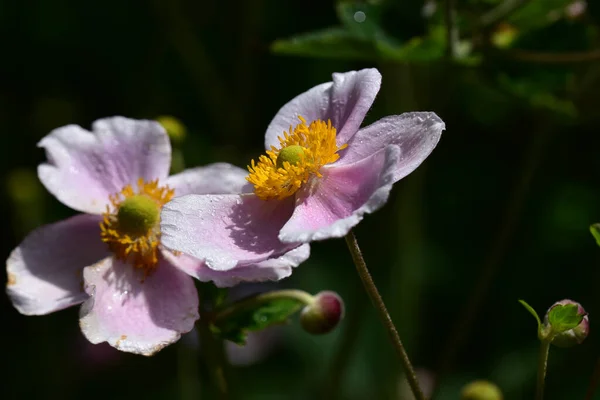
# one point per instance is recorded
(573, 336)
(324, 314)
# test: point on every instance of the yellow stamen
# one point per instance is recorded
(131, 227)
(301, 154)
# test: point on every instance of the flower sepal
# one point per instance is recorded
(320, 313)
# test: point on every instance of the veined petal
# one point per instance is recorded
(218, 178)
(226, 231)
(338, 201)
(273, 269)
(345, 101)
(416, 134)
(84, 167)
(137, 313)
(45, 270)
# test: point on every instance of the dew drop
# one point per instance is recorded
(360, 16)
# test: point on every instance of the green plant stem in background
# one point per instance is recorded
(371, 289)
(593, 382)
(214, 354)
(542, 366)
(463, 326)
(452, 36)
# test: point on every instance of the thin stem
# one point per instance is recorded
(594, 382)
(215, 358)
(502, 11)
(451, 28)
(251, 301)
(553, 58)
(464, 325)
(542, 366)
(384, 315)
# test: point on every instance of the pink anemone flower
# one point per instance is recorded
(136, 295)
(316, 181)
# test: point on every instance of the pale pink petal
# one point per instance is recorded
(84, 167)
(218, 178)
(226, 231)
(273, 269)
(332, 205)
(45, 271)
(345, 101)
(416, 134)
(137, 313)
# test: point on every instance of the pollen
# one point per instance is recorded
(130, 225)
(300, 155)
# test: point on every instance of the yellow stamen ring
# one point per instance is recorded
(301, 154)
(130, 227)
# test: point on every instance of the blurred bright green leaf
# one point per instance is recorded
(595, 230)
(532, 312)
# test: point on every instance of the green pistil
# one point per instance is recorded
(137, 215)
(292, 154)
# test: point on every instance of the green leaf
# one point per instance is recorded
(532, 312)
(564, 317)
(595, 230)
(334, 42)
(235, 325)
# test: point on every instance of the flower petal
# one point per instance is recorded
(84, 168)
(273, 269)
(345, 101)
(225, 231)
(415, 133)
(218, 178)
(338, 201)
(45, 271)
(136, 313)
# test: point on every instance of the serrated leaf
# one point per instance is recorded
(235, 325)
(334, 42)
(532, 312)
(537, 14)
(595, 230)
(564, 317)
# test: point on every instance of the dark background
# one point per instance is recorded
(499, 212)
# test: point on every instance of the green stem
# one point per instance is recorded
(384, 315)
(542, 366)
(215, 358)
(258, 299)
(451, 28)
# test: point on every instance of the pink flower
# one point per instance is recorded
(316, 181)
(136, 295)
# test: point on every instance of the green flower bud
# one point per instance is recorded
(481, 390)
(570, 337)
(175, 129)
(324, 314)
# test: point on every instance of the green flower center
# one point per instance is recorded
(292, 154)
(137, 215)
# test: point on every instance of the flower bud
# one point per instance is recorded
(175, 129)
(573, 336)
(481, 390)
(324, 314)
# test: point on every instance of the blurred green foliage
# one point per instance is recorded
(504, 203)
